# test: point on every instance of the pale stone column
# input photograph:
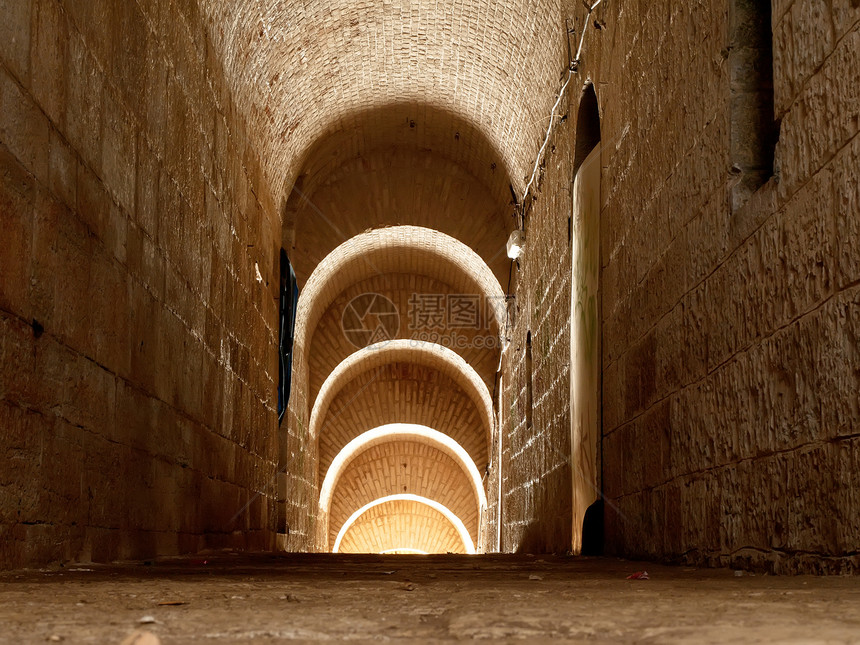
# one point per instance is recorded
(585, 341)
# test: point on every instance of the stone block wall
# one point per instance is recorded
(536, 511)
(137, 392)
(298, 473)
(731, 344)
(731, 352)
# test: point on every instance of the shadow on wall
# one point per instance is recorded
(551, 535)
(551, 511)
(548, 535)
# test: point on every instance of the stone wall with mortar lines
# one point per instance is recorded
(298, 475)
(536, 475)
(731, 362)
(138, 381)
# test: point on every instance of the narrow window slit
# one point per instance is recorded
(754, 130)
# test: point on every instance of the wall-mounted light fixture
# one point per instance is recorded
(516, 244)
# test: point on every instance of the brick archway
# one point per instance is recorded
(400, 523)
(376, 386)
(401, 458)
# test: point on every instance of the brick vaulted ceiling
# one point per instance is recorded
(453, 400)
(376, 113)
(408, 465)
(311, 69)
(375, 262)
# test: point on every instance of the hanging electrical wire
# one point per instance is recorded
(572, 68)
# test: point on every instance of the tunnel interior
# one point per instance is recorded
(430, 277)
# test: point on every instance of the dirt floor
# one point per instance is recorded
(225, 598)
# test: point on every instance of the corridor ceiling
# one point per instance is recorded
(312, 69)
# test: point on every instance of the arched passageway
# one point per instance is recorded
(676, 335)
(415, 277)
(402, 458)
(403, 523)
(672, 329)
(408, 382)
(398, 325)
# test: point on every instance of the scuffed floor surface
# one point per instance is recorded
(226, 598)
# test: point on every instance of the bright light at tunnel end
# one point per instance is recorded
(458, 524)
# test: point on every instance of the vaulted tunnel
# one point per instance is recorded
(398, 325)
(396, 225)
(430, 276)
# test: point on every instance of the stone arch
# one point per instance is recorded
(424, 524)
(369, 467)
(466, 414)
(400, 164)
(399, 251)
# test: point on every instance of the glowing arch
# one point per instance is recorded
(407, 351)
(436, 506)
(396, 249)
(401, 432)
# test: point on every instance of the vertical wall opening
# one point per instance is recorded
(529, 382)
(585, 336)
(288, 295)
(587, 127)
(753, 129)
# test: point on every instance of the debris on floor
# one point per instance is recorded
(430, 599)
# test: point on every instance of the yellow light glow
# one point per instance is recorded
(468, 545)
(401, 432)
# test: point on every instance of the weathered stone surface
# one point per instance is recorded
(803, 38)
(148, 154)
(16, 33)
(103, 298)
(759, 361)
